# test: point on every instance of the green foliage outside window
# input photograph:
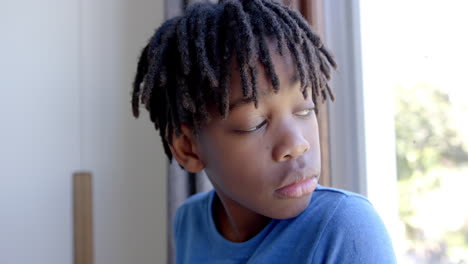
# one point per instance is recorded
(432, 160)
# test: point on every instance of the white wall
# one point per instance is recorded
(65, 77)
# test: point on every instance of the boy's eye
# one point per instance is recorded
(305, 112)
(255, 128)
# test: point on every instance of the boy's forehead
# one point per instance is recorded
(284, 67)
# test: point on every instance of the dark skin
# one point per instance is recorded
(253, 153)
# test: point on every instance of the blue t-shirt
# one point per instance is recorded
(337, 227)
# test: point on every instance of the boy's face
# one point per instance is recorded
(252, 155)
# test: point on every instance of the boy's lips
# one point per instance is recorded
(298, 188)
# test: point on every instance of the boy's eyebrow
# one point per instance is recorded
(294, 80)
(239, 102)
(247, 100)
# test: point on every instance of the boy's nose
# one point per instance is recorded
(291, 145)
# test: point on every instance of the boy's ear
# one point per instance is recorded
(184, 149)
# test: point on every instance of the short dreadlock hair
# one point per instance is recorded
(184, 70)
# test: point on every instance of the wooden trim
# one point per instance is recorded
(82, 219)
(312, 10)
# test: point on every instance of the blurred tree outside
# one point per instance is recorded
(432, 160)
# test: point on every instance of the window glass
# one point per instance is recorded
(423, 47)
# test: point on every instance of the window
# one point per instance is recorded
(413, 80)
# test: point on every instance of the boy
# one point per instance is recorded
(232, 88)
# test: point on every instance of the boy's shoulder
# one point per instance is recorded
(327, 208)
(337, 193)
(350, 223)
(196, 208)
(330, 207)
(336, 225)
(197, 201)
(327, 202)
(324, 199)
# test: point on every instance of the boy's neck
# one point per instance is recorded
(235, 222)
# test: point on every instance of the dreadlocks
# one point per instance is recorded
(185, 67)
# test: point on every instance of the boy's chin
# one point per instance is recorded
(292, 208)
